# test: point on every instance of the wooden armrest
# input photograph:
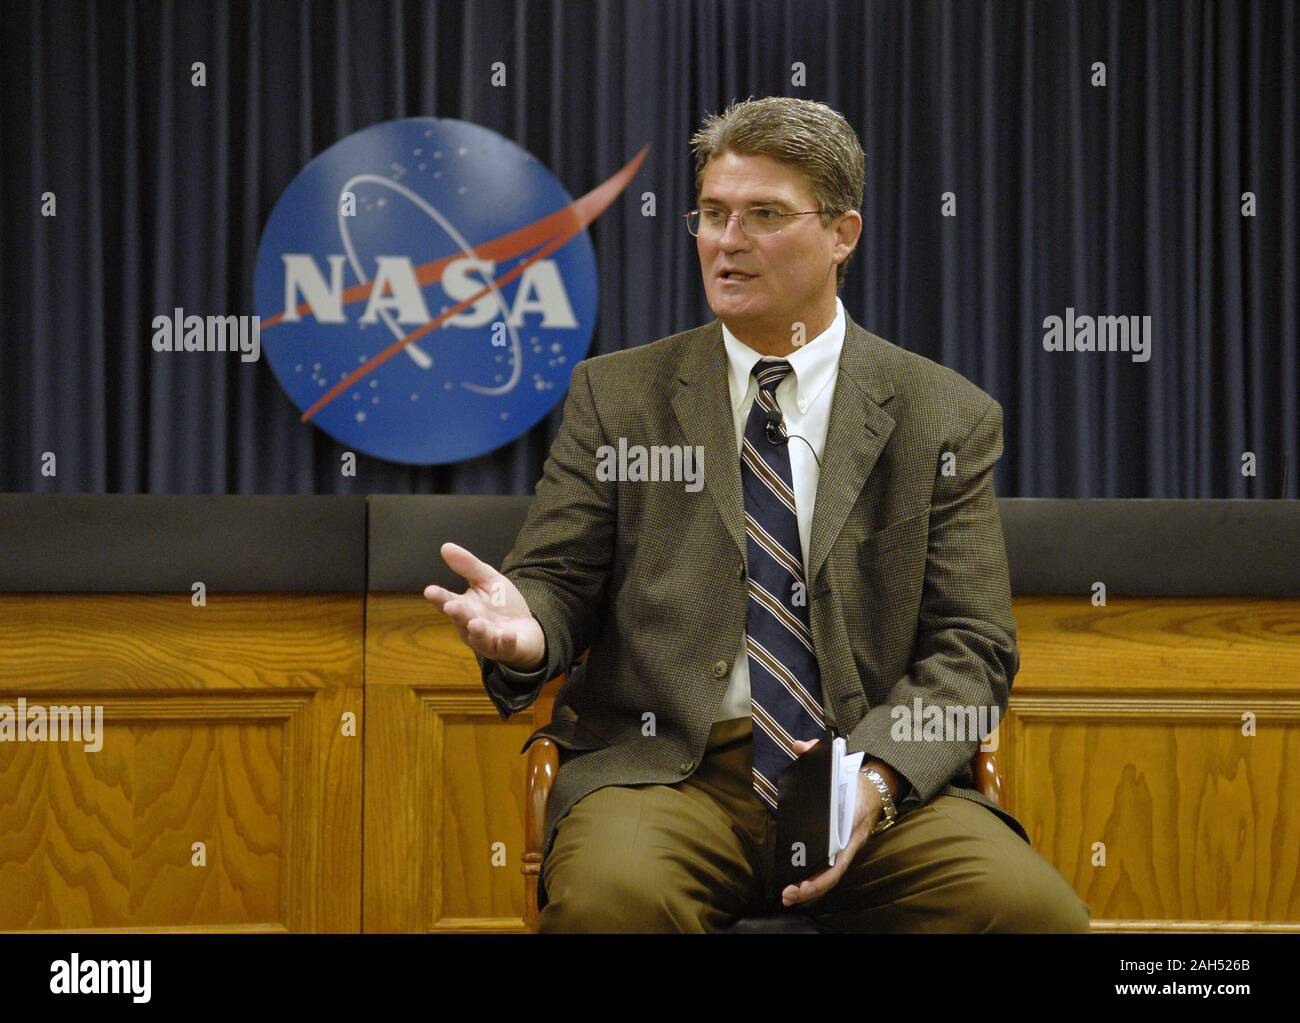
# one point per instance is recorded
(988, 780)
(543, 763)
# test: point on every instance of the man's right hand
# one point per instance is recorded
(492, 616)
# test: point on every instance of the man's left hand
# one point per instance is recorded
(869, 810)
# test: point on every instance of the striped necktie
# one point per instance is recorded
(784, 683)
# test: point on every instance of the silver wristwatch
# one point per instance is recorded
(891, 814)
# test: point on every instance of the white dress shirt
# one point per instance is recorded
(805, 397)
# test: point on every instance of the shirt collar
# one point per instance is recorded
(813, 365)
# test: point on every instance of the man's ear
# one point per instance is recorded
(848, 231)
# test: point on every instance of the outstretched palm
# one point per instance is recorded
(491, 616)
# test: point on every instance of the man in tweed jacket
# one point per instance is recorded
(907, 588)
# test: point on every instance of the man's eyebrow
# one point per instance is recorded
(708, 200)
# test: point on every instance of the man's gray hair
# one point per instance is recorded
(816, 140)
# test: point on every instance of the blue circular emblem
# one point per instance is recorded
(425, 289)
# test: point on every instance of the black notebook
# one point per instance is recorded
(818, 798)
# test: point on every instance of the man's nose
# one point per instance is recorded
(729, 241)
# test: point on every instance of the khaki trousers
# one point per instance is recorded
(697, 855)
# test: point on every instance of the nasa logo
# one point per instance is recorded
(426, 287)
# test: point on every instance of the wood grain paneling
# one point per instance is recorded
(120, 642)
(409, 642)
(1165, 645)
(444, 779)
(1126, 729)
(222, 726)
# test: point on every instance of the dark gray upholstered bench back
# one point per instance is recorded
(1138, 547)
(126, 543)
(389, 543)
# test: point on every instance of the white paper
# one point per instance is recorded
(844, 794)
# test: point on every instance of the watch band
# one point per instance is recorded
(891, 814)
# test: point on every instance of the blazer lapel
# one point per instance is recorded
(857, 433)
(703, 407)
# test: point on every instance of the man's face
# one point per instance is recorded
(793, 272)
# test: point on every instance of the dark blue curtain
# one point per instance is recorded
(1117, 200)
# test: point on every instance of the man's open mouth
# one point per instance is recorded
(734, 276)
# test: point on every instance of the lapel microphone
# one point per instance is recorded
(776, 438)
(773, 429)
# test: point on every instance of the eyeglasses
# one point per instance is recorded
(757, 220)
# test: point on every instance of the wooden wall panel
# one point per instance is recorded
(222, 725)
(444, 779)
(160, 641)
(1125, 728)
(1164, 645)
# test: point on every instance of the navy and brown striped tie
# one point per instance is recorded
(784, 682)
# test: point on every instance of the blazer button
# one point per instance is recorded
(685, 766)
(720, 669)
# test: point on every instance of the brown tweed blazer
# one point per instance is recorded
(909, 595)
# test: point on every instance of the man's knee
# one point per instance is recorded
(1012, 903)
(1005, 886)
(1054, 911)
(607, 897)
